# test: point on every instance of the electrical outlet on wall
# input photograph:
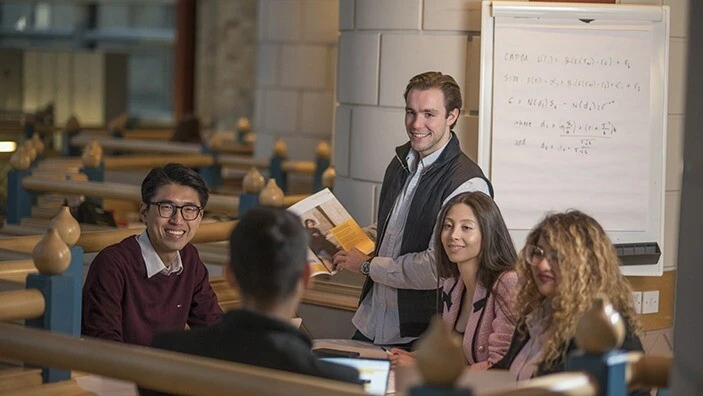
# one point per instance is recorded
(637, 297)
(650, 302)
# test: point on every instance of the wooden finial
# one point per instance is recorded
(66, 225)
(51, 255)
(244, 134)
(271, 195)
(280, 148)
(250, 138)
(30, 150)
(95, 146)
(243, 125)
(253, 181)
(20, 159)
(216, 141)
(601, 328)
(92, 154)
(328, 177)
(72, 123)
(38, 143)
(118, 124)
(323, 150)
(440, 357)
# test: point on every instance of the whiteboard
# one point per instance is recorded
(573, 115)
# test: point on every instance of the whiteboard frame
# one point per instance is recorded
(658, 16)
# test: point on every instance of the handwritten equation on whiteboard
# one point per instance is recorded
(556, 100)
(571, 116)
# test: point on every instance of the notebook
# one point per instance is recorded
(373, 372)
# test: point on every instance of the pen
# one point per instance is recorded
(388, 351)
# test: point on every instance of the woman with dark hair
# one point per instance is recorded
(568, 261)
(475, 259)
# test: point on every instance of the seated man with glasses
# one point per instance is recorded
(269, 270)
(154, 281)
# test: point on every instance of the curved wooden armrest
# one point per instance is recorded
(648, 371)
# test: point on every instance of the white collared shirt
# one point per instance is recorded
(377, 317)
(154, 264)
(526, 362)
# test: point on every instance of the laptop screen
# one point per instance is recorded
(373, 372)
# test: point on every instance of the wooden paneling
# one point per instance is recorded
(91, 85)
(666, 285)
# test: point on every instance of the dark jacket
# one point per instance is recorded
(631, 343)
(248, 337)
(451, 169)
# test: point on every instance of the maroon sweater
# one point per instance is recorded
(120, 303)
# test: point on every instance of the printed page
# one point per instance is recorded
(350, 236)
(331, 229)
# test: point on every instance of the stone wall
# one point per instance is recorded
(225, 60)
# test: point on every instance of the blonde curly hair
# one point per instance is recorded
(588, 266)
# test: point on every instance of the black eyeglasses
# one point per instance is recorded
(535, 254)
(168, 209)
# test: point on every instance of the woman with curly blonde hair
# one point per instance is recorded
(567, 261)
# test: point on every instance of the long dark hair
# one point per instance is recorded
(497, 253)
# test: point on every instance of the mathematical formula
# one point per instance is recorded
(578, 146)
(604, 129)
(547, 59)
(573, 83)
(556, 104)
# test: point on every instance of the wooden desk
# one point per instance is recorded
(100, 385)
(401, 379)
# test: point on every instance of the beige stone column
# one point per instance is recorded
(225, 60)
(295, 74)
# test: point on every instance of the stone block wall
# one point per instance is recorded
(295, 75)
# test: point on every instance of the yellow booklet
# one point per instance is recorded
(331, 229)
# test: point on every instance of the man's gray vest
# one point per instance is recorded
(451, 169)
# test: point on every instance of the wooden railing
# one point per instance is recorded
(94, 241)
(159, 370)
(126, 192)
(184, 374)
(139, 145)
(21, 304)
(279, 167)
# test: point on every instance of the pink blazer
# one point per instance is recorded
(489, 328)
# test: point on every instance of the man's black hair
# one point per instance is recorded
(268, 253)
(174, 174)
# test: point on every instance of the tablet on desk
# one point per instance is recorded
(373, 372)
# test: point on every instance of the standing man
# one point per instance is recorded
(154, 281)
(400, 293)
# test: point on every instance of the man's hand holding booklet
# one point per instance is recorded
(331, 229)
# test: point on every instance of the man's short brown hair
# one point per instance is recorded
(444, 82)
